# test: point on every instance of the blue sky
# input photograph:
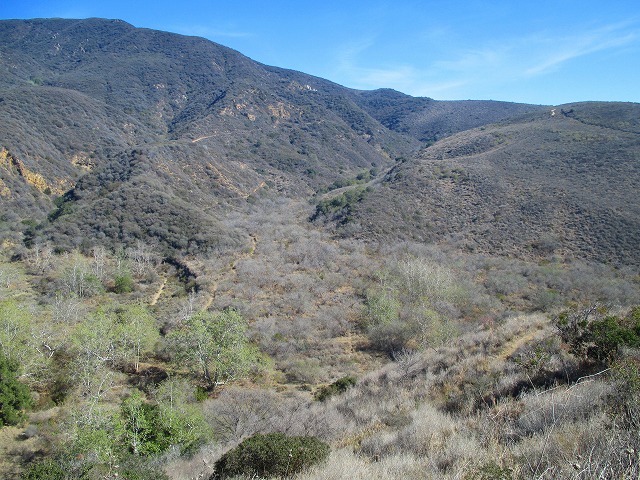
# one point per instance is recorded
(546, 52)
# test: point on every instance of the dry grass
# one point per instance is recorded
(344, 464)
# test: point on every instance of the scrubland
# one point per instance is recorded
(408, 360)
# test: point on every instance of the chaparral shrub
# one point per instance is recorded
(271, 455)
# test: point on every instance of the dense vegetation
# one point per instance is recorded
(213, 268)
(403, 359)
(271, 455)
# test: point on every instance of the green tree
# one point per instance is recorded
(14, 396)
(415, 302)
(144, 434)
(151, 428)
(123, 282)
(15, 326)
(180, 415)
(214, 344)
(77, 276)
(135, 334)
(91, 444)
(381, 309)
(386, 330)
(95, 351)
(21, 339)
(94, 338)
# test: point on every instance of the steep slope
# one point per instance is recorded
(562, 181)
(78, 96)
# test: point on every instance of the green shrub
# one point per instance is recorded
(48, 468)
(201, 394)
(595, 335)
(64, 467)
(491, 471)
(339, 386)
(625, 401)
(341, 206)
(14, 396)
(273, 454)
(123, 283)
(133, 467)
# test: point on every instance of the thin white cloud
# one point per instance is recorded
(444, 89)
(492, 66)
(436, 79)
(568, 48)
(488, 57)
(389, 76)
(349, 67)
(536, 54)
(348, 54)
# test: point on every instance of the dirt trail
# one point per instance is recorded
(156, 296)
(534, 330)
(199, 139)
(511, 347)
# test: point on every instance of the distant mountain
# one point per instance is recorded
(137, 133)
(429, 120)
(563, 181)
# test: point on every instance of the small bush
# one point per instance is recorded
(491, 471)
(625, 401)
(339, 386)
(61, 467)
(273, 454)
(123, 283)
(133, 467)
(48, 468)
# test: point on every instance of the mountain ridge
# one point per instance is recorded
(79, 94)
(83, 100)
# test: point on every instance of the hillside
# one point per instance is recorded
(199, 251)
(559, 182)
(78, 96)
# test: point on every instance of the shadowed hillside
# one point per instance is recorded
(429, 120)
